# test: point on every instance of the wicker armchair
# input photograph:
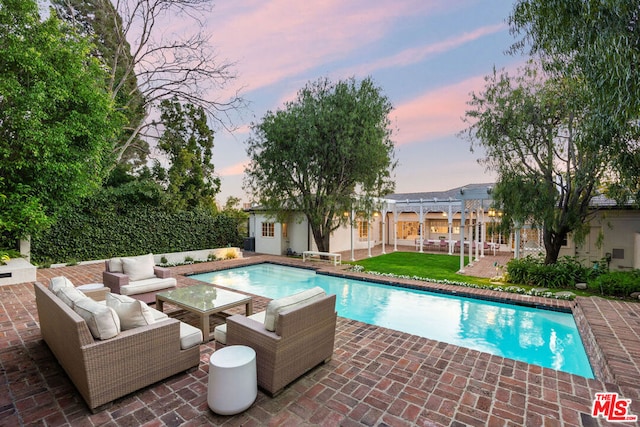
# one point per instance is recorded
(303, 338)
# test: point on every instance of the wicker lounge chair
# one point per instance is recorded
(303, 337)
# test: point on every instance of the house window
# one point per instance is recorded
(268, 229)
(439, 226)
(363, 230)
(408, 229)
(285, 232)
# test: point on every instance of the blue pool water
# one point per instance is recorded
(541, 337)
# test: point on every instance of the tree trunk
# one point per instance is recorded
(321, 239)
(552, 245)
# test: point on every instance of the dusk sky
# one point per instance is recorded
(426, 55)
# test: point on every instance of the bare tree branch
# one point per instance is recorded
(185, 68)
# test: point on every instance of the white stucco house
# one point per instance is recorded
(437, 221)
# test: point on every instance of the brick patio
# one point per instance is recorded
(376, 377)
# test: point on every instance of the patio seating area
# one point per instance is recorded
(376, 376)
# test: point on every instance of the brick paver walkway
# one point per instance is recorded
(376, 377)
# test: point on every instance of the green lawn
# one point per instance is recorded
(436, 267)
(431, 266)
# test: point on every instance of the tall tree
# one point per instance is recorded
(147, 68)
(314, 155)
(57, 121)
(100, 21)
(533, 132)
(187, 142)
(597, 42)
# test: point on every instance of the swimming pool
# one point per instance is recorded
(542, 337)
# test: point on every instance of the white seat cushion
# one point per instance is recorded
(138, 268)
(220, 331)
(158, 315)
(189, 336)
(71, 296)
(148, 285)
(287, 303)
(131, 312)
(58, 283)
(103, 321)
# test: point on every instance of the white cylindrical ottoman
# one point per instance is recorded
(233, 380)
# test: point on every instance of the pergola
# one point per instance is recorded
(475, 201)
(422, 207)
(472, 204)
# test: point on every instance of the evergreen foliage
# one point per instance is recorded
(536, 135)
(99, 20)
(131, 220)
(332, 142)
(617, 283)
(57, 121)
(596, 43)
(531, 270)
(187, 141)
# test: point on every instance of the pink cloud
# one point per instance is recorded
(414, 55)
(438, 113)
(434, 114)
(274, 40)
(278, 39)
(236, 169)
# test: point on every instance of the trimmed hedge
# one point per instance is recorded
(125, 222)
(145, 230)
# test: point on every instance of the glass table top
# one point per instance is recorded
(203, 297)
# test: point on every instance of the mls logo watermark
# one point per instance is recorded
(612, 408)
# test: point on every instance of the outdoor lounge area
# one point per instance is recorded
(375, 377)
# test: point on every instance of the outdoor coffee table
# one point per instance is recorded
(204, 300)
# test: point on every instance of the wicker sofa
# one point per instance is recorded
(137, 277)
(293, 335)
(104, 370)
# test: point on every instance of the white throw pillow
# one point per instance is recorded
(103, 321)
(287, 303)
(115, 265)
(58, 283)
(71, 295)
(139, 268)
(132, 312)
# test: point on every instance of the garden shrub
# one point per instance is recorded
(532, 270)
(617, 283)
(230, 254)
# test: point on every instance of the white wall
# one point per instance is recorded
(341, 238)
(619, 229)
(636, 258)
(267, 245)
(298, 234)
(610, 230)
